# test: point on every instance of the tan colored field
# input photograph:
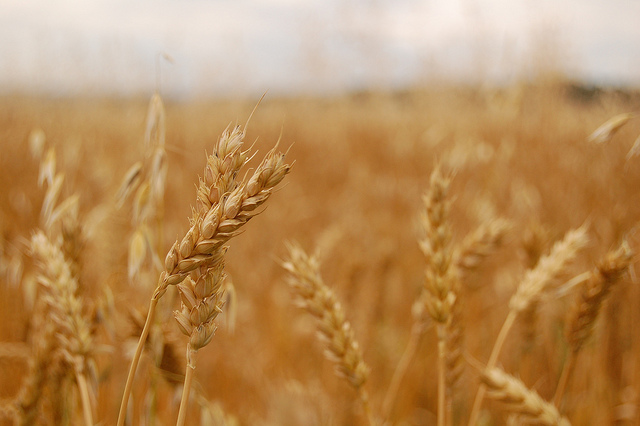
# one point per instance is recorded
(362, 165)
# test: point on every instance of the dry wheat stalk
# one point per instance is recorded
(334, 330)
(521, 400)
(583, 316)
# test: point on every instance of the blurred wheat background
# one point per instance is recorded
(524, 161)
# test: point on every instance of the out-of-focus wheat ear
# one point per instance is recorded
(535, 240)
(583, 315)
(334, 331)
(51, 198)
(47, 167)
(132, 179)
(65, 308)
(158, 173)
(594, 292)
(442, 281)
(8, 410)
(231, 306)
(480, 244)
(436, 246)
(137, 253)
(521, 400)
(538, 280)
(37, 141)
(635, 149)
(154, 133)
(605, 132)
(43, 344)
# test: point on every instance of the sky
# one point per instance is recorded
(246, 47)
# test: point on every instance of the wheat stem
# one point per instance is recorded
(493, 359)
(442, 373)
(184, 401)
(84, 395)
(136, 360)
(401, 369)
(567, 369)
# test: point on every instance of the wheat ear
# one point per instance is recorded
(333, 329)
(521, 400)
(605, 132)
(480, 244)
(224, 205)
(439, 293)
(535, 283)
(585, 312)
(73, 331)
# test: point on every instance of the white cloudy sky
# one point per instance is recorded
(249, 46)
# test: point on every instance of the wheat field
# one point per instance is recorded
(442, 256)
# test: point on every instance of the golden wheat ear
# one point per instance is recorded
(334, 331)
(195, 264)
(521, 400)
